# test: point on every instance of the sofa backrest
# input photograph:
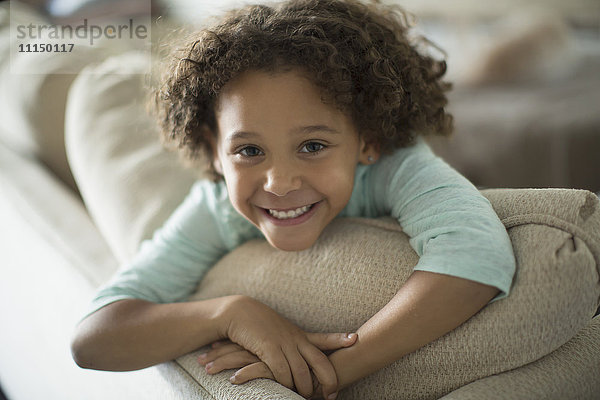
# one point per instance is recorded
(358, 265)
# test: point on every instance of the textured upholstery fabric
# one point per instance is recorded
(335, 286)
(116, 157)
(571, 372)
(128, 185)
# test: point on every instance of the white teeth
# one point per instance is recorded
(289, 214)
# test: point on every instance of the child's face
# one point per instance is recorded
(287, 158)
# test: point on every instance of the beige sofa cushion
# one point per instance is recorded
(336, 285)
(571, 372)
(130, 185)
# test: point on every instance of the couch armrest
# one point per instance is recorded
(576, 361)
(220, 387)
(49, 246)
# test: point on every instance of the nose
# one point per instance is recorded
(282, 178)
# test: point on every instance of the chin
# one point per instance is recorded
(291, 245)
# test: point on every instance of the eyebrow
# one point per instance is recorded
(303, 130)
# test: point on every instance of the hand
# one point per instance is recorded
(287, 350)
(228, 355)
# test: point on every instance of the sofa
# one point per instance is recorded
(84, 179)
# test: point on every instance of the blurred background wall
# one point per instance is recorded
(526, 77)
(525, 73)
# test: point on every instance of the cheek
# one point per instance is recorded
(338, 184)
(239, 187)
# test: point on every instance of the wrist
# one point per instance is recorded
(224, 314)
(347, 367)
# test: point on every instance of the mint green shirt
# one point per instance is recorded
(451, 226)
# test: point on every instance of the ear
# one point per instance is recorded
(216, 161)
(369, 153)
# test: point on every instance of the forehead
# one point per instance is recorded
(258, 99)
(257, 86)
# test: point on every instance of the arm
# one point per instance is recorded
(466, 258)
(452, 227)
(134, 334)
(130, 325)
(426, 307)
(138, 320)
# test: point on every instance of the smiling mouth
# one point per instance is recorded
(289, 214)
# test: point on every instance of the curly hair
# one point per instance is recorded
(359, 55)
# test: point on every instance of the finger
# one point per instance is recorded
(278, 364)
(220, 343)
(212, 355)
(332, 341)
(318, 390)
(300, 372)
(237, 359)
(250, 372)
(322, 368)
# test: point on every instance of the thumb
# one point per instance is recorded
(332, 341)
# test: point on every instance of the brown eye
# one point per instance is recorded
(312, 147)
(250, 151)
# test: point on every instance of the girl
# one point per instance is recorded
(308, 111)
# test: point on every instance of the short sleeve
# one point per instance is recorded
(452, 227)
(168, 267)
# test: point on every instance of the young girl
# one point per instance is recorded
(308, 110)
